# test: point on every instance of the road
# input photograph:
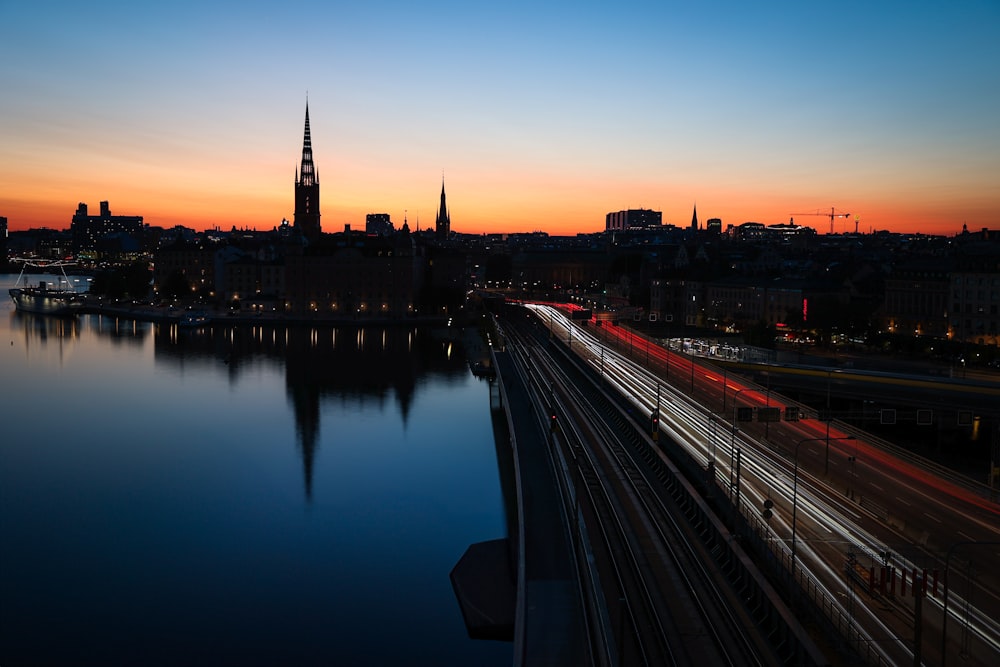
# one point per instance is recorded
(849, 517)
(667, 601)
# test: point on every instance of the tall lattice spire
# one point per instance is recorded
(442, 224)
(307, 173)
(307, 189)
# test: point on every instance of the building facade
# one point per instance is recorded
(89, 230)
(974, 299)
(633, 219)
(378, 224)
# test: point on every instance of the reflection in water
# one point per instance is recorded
(343, 363)
(151, 495)
(43, 327)
(39, 329)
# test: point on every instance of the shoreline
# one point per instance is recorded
(161, 315)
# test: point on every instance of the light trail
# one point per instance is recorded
(826, 518)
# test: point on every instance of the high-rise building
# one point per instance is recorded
(632, 219)
(306, 219)
(88, 230)
(442, 223)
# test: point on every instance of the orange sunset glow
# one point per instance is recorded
(532, 128)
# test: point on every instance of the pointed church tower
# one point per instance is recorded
(442, 224)
(306, 219)
(694, 218)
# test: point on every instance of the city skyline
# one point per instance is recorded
(541, 118)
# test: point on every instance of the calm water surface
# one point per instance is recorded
(238, 496)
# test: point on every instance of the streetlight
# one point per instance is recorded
(692, 370)
(829, 418)
(944, 602)
(733, 453)
(656, 416)
(602, 364)
(735, 396)
(795, 485)
(767, 405)
(725, 383)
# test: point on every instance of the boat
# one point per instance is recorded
(43, 299)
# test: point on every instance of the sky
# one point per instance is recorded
(537, 116)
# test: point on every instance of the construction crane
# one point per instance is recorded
(832, 214)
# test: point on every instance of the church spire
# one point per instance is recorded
(307, 174)
(694, 218)
(307, 189)
(442, 224)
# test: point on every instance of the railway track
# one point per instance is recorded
(666, 602)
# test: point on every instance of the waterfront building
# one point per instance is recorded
(252, 283)
(192, 262)
(350, 275)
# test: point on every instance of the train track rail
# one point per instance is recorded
(667, 603)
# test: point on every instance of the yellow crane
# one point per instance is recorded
(832, 214)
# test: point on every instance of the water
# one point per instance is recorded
(238, 496)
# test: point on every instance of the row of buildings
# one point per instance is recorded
(785, 277)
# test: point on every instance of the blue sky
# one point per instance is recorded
(540, 115)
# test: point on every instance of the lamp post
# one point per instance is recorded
(602, 363)
(656, 418)
(725, 383)
(732, 447)
(767, 405)
(826, 464)
(666, 357)
(795, 486)
(692, 370)
(944, 602)
(735, 396)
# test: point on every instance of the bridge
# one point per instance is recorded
(656, 525)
